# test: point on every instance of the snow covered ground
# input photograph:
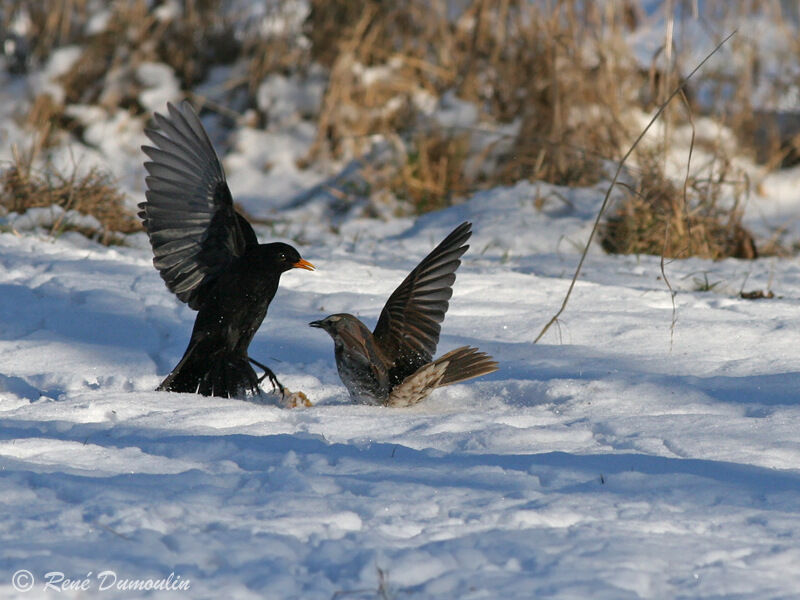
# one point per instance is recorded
(607, 461)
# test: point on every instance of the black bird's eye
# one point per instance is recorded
(281, 257)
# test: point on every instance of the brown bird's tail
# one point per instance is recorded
(455, 366)
(465, 363)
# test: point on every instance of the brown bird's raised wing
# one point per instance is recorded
(194, 230)
(408, 328)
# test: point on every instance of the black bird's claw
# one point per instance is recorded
(268, 374)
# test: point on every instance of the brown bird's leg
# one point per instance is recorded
(269, 374)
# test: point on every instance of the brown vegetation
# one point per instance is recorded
(558, 78)
(512, 59)
(658, 217)
(91, 193)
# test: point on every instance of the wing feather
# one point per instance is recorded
(189, 216)
(408, 328)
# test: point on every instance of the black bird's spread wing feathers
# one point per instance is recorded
(408, 328)
(194, 230)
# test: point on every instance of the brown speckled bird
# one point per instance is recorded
(393, 365)
(209, 256)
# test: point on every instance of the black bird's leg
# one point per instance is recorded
(268, 374)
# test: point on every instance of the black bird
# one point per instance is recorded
(392, 365)
(209, 256)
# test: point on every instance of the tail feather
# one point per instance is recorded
(455, 366)
(212, 374)
(465, 363)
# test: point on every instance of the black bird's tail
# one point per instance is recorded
(212, 374)
(455, 366)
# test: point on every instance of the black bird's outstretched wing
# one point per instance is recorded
(408, 328)
(189, 216)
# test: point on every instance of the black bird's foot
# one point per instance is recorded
(268, 374)
(288, 398)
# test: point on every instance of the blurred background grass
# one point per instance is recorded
(439, 99)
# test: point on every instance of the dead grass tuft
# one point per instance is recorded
(655, 217)
(92, 193)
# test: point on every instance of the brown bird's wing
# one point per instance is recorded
(194, 230)
(366, 369)
(409, 325)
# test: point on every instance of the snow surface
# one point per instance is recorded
(607, 461)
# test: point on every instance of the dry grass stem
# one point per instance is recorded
(614, 180)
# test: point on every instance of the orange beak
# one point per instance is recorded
(303, 264)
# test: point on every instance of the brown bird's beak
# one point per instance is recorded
(319, 324)
(303, 264)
